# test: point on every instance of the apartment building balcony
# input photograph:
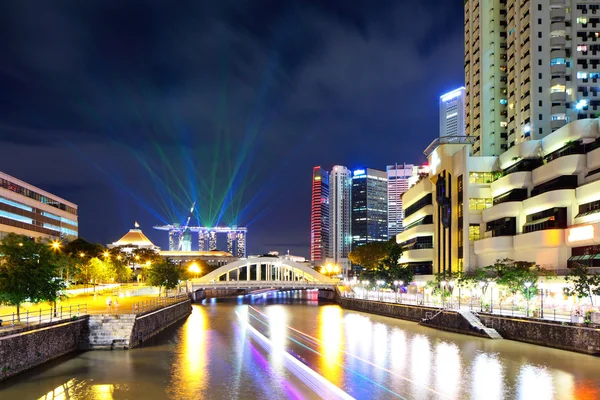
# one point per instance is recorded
(557, 41)
(588, 192)
(554, 198)
(547, 238)
(496, 244)
(562, 109)
(557, 3)
(557, 26)
(557, 14)
(415, 193)
(409, 256)
(571, 164)
(516, 180)
(502, 210)
(558, 123)
(558, 96)
(417, 215)
(558, 69)
(593, 159)
(414, 231)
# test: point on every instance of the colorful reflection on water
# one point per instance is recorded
(213, 355)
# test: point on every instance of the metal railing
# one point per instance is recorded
(9, 322)
(514, 310)
(155, 304)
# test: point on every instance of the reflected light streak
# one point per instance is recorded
(330, 335)
(361, 359)
(189, 372)
(103, 392)
(420, 352)
(534, 382)
(448, 368)
(277, 333)
(487, 377)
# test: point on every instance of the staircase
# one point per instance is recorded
(108, 332)
(476, 325)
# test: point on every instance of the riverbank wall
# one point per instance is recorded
(28, 348)
(565, 336)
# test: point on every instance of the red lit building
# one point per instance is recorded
(319, 217)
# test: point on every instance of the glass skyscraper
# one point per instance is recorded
(369, 206)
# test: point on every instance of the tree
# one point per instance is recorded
(514, 274)
(28, 272)
(163, 273)
(118, 270)
(584, 283)
(82, 248)
(369, 255)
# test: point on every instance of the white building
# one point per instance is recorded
(452, 113)
(340, 236)
(530, 68)
(398, 182)
(538, 202)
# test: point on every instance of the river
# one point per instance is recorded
(220, 352)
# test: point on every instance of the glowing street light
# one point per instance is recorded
(106, 254)
(119, 257)
(55, 245)
(528, 285)
(82, 254)
(194, 268)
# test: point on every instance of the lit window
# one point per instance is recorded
(503, 102)
(582, 20)
(558, 89)
(582, 47)
(558, 61)
(582, 75)
(503, 124)
(479, 204)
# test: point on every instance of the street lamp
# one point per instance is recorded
(451, 289)
(492, 283)
(81, 254)
(194, 268)
(481, 285)
(55, 245)
(541, 286)
(106, 254)
(379, 283)
(443, 285)
(365, 285)
(527, 285)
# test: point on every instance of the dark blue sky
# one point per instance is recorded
(134, 109)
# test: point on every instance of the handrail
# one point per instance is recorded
(28, 318)
(154, 304)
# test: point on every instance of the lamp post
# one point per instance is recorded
(492, 283)
(481, 284)
(527, 285)
(396, 286)
(451, 289)
(400, 283)
(365, 286)
(194, 268)
(541, 286)
(443, 285)
(379, 283)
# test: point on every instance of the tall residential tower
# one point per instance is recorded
(398, 182)
(319, 216)
(452, 113)
(340, 236)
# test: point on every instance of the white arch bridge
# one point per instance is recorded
(263, 273)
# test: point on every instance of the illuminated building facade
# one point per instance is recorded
(398, 176)
(319, 216)
(452, 113)
(340, 235)
(539, 202)
(207, 238)
(369, 206)
(28, 210)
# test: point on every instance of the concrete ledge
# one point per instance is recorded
(152, 323)
(24, 350)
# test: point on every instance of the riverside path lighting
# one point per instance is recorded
(106, 254)
(481, 285)
(541, 286)
(492, 283)
(443, 285)
(194, 269)
(396, 286)
(451, 289)
(365, 286)
(379, 283)
(55, 245)
(527, 285)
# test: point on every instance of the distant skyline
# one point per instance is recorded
(134, 110)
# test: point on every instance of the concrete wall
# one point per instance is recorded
(409, 312)
(24, 350)
(546, 333)
(148, 325)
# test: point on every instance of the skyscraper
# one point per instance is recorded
(452, 113)
(530, 67)
(319, 216)
(369, 206)
(340, 236)
(398, 180)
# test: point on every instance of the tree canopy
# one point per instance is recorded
(28, 271)
(584, 283)
(163, 273)
(369, 255)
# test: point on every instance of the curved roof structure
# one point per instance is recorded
(135, 237)
(299, 268)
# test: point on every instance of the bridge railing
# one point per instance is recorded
(263, 284)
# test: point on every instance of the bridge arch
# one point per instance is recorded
(265, 269)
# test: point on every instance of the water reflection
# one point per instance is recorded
(331, 338)
(447, 369)
(487, 377)
(534, 382)
(420, 365)
(189, 368)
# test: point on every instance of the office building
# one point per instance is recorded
(452, 113)
(539, 202)
(369, 206)
(340, 236)
(28, 210)
(398, 177)
(530, 68)
(319, 217)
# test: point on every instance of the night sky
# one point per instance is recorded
(135, 109)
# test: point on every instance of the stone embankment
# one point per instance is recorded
(25, 349)
(559, 335)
